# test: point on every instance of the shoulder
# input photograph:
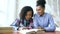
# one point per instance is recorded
(17, 20)
(47, 14)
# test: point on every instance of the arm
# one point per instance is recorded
(15, 22)
(35, 23)
(51, 26)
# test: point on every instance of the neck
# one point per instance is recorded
(42, 14)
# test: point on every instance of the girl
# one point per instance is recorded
(25, 20)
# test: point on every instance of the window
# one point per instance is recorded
(7, 12)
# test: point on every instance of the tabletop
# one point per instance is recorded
(56, 32)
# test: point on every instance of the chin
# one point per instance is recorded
(40, 14)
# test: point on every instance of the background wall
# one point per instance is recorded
(7, 12)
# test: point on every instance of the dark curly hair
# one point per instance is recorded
(41, 3)
(24, 11)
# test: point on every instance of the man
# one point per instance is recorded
(42, 19)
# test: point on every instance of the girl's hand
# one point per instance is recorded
(21, 28)
(24, 28)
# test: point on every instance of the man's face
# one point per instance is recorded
(40, 10)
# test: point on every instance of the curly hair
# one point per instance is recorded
(24, 11)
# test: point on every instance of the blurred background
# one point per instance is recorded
(10, 9)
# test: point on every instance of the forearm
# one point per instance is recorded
(49, 28)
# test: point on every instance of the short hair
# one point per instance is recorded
(24, 11)
(41, 3)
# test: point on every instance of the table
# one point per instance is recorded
(57, 32)
(17, 32)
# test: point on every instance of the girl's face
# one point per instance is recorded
(28, 15)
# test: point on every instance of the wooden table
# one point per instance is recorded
(57, 32)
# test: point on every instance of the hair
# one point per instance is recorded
(41, 3)
(24, 11)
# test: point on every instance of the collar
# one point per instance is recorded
(42, 15)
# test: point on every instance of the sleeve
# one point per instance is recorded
(51, 26)
(35, 24)
(15, 22)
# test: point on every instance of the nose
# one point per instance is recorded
(39, 11)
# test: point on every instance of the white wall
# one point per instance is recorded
(7, 12)
(22, 3)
